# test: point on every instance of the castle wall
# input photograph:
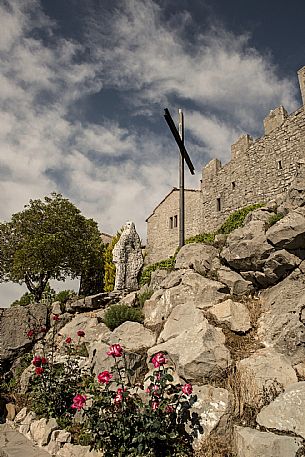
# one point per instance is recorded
(163, 224)
(260, 170)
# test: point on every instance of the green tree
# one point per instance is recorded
(49, 239)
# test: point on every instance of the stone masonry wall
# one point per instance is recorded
(163, 233)
(259, 171)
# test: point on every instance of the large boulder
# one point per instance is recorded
(247, 247)
(289, 232)
(133, 337)
(198, 353)
(232, 313)
(14, 325)
(253, 443)
(192, 289)
(237, 284)
(211, 406)
(278, 264)
(183, 317)
(262, 375)
(282, 322)
(196, 256)
(287, 412)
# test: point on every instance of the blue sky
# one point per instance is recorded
(83, 85)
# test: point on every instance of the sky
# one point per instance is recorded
(84, 84)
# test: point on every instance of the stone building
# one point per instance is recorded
(259, 170)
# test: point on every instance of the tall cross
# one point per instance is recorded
(179, 137)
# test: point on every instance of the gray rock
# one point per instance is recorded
(75, 450)
(198, 353)
(173, 279)
(10, 411)
(57, 441)
(41, 430)
(281, 325)
(234, 314)
(247, 247)
(13, 444)
(262, 376)
(14, 324)
(24, 426)
(278, 264)
(253, 443)
(289, 232)
(56, 307)
(192, 289)
(156, 279)
(133, 337)
(196, 256)
(211, 405)
(237, 284)
(183, 317)
(128, 259)
(287, 412)
(260, 214)
(93, 302)
(130, 299)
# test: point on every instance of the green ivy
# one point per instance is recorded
(167, 264)
(118, 314)
(144, 296)
(236, 219)
(207, 238)
(275, 218)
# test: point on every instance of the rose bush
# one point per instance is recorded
(119, 418)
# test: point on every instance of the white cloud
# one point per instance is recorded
(115, 173)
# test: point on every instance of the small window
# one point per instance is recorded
(218, 204)
(233, 185)
(171, 222)
(176, 221)
(279, 165)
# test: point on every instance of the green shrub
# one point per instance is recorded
(236, 219)
(109, 266)
(118, 314)
(207, 238)
(64, 295)
(167, 264)
(24, 300)
(275, 218)
(144, 296)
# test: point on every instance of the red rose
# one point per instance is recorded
(43, 330)
(44, 361)
(187, 389)
(36, 361)
(39, 370)
(158, 360)
(104, 377)
(56, 317)
(30, 333)
(115, 350)
(68, 339)
(81, 333)
(79, 401)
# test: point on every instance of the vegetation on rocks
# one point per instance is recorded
(167, 264)
(275, 218)
(120, 313)
(237, 218)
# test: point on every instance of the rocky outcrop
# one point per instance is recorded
(15, 324)
(232, 313)
(287, 412)
(198, 257)
(289, 232)
(253, 443)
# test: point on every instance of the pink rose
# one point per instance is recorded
(104, 377)
(79, 401)
(169, 409)
(39, 370)
(158, 360)
(36, 361)
(68, 340)
(155, 405)
(119, 396)
(115, 350)
(81, 333)
(187, 389)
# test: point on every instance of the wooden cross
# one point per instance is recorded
(179, 137)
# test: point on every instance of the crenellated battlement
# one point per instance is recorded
(259, 170)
